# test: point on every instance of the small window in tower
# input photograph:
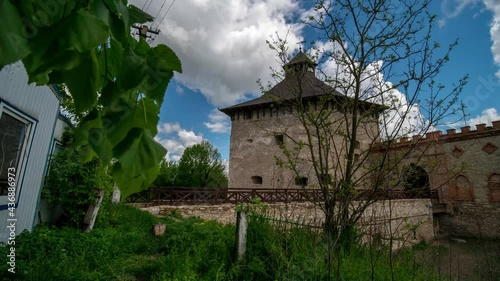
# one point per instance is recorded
(250, 140)
(279, 139)
(357, 145)
(302, 181)
(256, 180)
(248, 115)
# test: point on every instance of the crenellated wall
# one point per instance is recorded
(464, 167)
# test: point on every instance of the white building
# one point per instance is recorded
(29, 128)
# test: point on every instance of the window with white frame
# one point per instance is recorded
(16, 131)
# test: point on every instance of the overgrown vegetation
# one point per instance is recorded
(122, 247)
(72, 184)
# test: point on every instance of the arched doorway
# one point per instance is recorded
(416, 179)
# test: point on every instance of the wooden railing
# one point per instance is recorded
(214, 196)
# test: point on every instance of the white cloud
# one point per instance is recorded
(494, 6)
(189, 138)
(218, 122)
(488, 115)
(167, 128)
(176, 139)
(403, 118)
(453, 8)
(222, 43)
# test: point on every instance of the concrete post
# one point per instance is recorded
(115, 198)
(92, 211)
(241, 235)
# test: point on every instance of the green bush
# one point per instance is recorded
(71, 183)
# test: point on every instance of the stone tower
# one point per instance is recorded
(261, 125)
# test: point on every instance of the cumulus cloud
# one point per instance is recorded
(222, 43)
(167, 128)
(176, 139)
(487, 116)
(218, 122)
(453, 8)
(403, 118)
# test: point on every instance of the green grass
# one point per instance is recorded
(122, 247)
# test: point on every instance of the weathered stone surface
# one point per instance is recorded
(405, 221)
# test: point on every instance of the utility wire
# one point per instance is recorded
(168, 10)
(148, 6)
(164, 1)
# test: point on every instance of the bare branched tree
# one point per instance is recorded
(350, 117)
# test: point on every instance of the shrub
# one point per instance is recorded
(72, 184)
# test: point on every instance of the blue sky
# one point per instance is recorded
(221, 44)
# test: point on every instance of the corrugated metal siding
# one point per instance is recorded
(42, 104)
(60, 128)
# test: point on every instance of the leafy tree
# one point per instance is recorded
(201, 166)
(371, 42)
(168, 175)
(117, 82)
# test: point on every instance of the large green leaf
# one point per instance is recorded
(128, 114)
(138, 16)
(138, 157)
(82, 83)
(130, 184)
(84, 31)
(133, 70)
(162, 62)
(13, 43)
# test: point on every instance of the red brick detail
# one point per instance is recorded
(451, 131)
(480, 127)
(465, 129)
(496, 124)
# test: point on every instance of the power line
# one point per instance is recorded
(164, 1)
(145, 2)
(168, 10)
(148, 6)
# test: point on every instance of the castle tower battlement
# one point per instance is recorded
(452, 135)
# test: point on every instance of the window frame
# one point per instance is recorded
(30, 127)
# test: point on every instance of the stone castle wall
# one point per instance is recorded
(406, 221)
(465, 169)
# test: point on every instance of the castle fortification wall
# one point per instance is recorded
(406, 220)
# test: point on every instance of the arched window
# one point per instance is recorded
(302, 181)
(463, 189)
(416, 179)
(256, 180)
(494, 188)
